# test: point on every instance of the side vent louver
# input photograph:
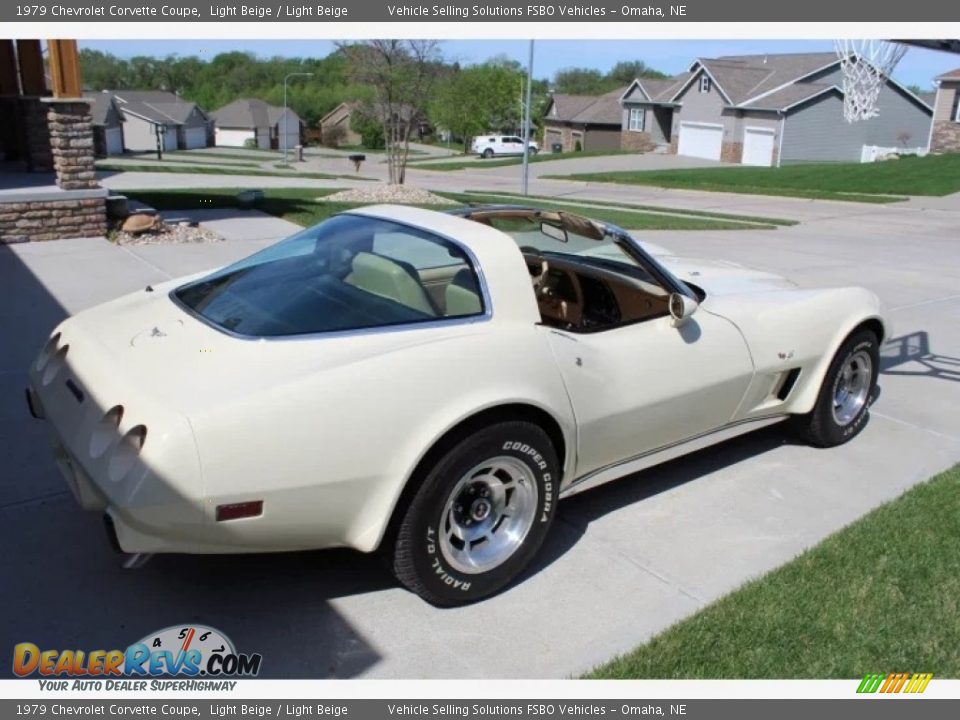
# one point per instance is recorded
(787, 385)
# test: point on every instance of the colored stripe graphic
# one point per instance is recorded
(894, 683)
(870, 683)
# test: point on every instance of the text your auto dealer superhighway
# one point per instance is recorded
(123, 11)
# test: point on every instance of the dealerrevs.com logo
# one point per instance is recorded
(190, 651)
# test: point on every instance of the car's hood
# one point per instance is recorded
(718, 277)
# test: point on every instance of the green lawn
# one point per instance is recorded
(480, 164)
(211, 154)
(880, 596)
(863, 182)
(589, 205)
(182, 159)
(299, 205)
(197, 169)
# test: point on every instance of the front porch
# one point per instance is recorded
(48, 187)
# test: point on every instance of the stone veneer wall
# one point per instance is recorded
(51, 214)
(52, 219)
(638, 141)
(945, 137)
(731, 152)
(71, 144)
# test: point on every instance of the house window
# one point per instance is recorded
(704, 83)
(637, 116)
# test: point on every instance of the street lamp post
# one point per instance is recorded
(526, 124)
(285, 119)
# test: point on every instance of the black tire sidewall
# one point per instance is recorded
(833, 433)
(441, 583)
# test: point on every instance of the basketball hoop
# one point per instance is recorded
(865, 64)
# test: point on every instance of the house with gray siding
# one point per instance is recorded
(945, 133)
(149, 114)
(767, 110)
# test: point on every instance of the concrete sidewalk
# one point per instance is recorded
(623, 561)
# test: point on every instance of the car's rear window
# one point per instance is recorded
(350, 272)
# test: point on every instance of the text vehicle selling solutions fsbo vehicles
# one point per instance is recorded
(430, 385)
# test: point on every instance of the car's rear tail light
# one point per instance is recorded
(124, 455)
(235, 511)
(105, 433)
(54, 364)
(48, 350)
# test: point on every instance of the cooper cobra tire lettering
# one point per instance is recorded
(419, 550)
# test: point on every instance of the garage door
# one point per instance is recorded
(195, 137)
(758, 146)
(170, 138)
(551, 138)
(702, 140)
(114, 140)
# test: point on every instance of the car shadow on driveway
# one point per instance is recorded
(62, 585)
(576, 513)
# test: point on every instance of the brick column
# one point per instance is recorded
(71, 143)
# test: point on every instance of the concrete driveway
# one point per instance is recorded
(623, 561)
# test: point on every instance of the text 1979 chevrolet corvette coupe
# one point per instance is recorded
(431, 384)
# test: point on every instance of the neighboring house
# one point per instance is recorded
(945, 133)
(767, 110)
(250, 119)
(584, 122)
(335, 126)
(107, 123)
(181, 124)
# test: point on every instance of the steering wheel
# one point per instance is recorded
(539, 262)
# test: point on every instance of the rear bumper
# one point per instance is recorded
(87, 494)
(34, 405)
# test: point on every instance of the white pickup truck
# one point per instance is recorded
(487, 146)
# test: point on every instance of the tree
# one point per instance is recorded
(369, 128)
(626, 71)
(578, 81)
(400, 75)
(587, 81)
(478, 99)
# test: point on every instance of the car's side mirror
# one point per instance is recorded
(681, 308)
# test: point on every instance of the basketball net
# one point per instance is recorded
(865, 64)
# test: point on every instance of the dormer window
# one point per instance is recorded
(704, 83)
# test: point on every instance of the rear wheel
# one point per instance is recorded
(844, 400)
(480, 515)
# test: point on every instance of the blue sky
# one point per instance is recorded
(671, 56)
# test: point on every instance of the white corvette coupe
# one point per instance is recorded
(431, 385)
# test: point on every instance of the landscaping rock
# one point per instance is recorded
(395, 194)
(161, 233)
(136, 224)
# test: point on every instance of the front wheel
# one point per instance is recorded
(844, 400)
(532, 152)
(488, 153)
(480, 515)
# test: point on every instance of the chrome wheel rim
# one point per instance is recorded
(488, 514)
(852, 387)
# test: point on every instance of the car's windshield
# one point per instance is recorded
(350, 272)
(568, 236)
(575, 239)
